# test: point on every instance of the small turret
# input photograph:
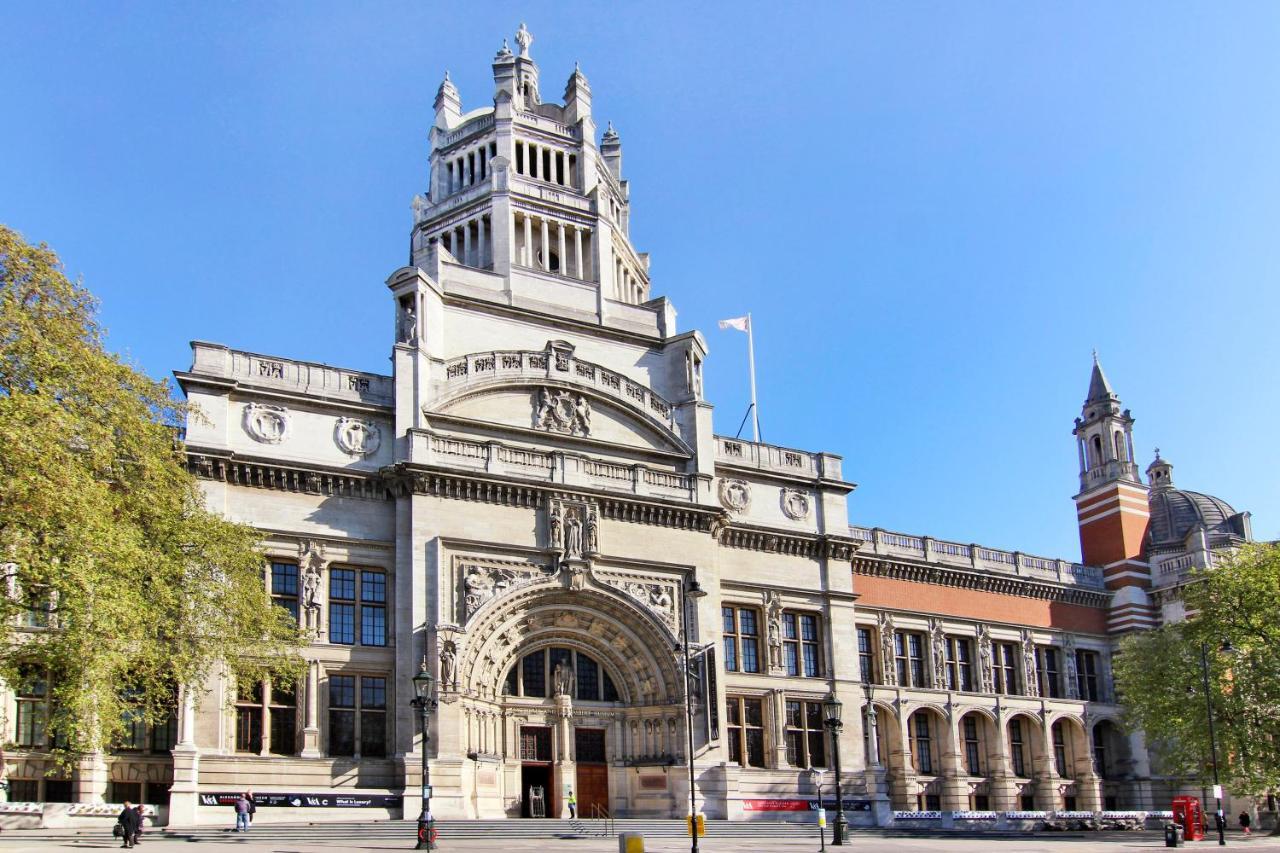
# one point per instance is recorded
(526, 71)
(611, 151)
(448, 104)
(1160, 473)
(577, 97)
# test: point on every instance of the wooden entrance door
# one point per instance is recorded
(593, 771)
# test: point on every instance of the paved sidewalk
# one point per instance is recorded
(12, 840)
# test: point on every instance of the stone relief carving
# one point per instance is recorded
(562, 411)
(773, 615)
(735, 495)
(357, 436)
(1030, 680)
(573, 528)
(938, 649)
(484, 581)
(795, 504)
(888, 668)
(267, 424)
(986, 677)
(311, 563)
(659, 597)
(1069, 661)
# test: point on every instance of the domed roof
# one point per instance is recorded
(1175, 512)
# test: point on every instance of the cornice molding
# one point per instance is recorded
(961, 579)
(225, 468)
(772, 541)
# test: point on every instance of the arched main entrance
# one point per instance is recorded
(568, 684)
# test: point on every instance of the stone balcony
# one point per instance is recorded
(779, 460)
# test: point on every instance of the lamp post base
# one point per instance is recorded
(426, 833)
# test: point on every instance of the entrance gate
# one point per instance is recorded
(593, 771)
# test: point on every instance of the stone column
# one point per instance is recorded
(546, 245)
(564, 256)
(577, 252)
(482, 233)
(1003, 790)
(527, 260)
(91, 778)
(311, 728)
(184, 802)
(955, 788)
(466, 245)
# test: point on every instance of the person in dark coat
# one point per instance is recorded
(130, 822)
(1245, 820)
(137, 836)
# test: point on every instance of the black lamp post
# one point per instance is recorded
(833, 708)
(425, 704)
(1226, 648)
(692, 593)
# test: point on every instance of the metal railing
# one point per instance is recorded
(601, 819)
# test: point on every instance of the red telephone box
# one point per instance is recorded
(1187, 812)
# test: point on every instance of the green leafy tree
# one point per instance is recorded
(1235, 621)
(119, 584)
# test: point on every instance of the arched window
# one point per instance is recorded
(534, 675)
(921, 743)
(1120, 448)
(1096, 446)
(1060, 748)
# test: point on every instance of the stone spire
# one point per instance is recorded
(1099, 388)
(448, 103)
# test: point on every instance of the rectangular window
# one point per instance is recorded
(806, 744)
(24, 790)
(284, 715)
(358, 715)
(741, 639)
(119, 792)
(746, 731)
(342, 715)
(1087, 675)
(909, 658)
(1005, 666)
(800, 644)
(866, 657)
(249, 718)
(1059, 751)
(921, 744)
(373, 608)
(972, 747)
(284, 587)
(164, 734)
(342, 606)
(535, 675)
(535, 743)
(1047, 670)
(32, 707)
(959, 664)
(1016, 749)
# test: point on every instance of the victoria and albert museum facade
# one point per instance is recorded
(529, 497)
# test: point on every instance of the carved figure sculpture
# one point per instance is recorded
(554, 526)
(938, 647)
(572, 534)
(563, 680)
(985, 674)
(888, 667)
(581, 416)
(593, 532)
(1029, 664)
(448, 658)
(773, 612)
(1069, 658)
(311, 561)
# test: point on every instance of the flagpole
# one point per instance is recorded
(751, 362)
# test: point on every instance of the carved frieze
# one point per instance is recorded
(558, 410)
(656, 594)
(267, 424)
(482, 580)
(795, 504)
(735, 494)
(357, 436)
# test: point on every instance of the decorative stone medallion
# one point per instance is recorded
(268, 424)
(735, 495)
(795, 504)
(357, 436)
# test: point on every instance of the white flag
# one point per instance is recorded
(742, 324)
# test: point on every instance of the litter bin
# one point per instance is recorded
(1173, 835)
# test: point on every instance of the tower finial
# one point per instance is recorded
(1157, 454)
(524, 38)
(1095, 355)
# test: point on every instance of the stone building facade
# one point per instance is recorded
(525, 502)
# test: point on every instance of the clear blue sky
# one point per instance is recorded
(935, 211)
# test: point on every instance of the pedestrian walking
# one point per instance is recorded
(1245, 820)
(253, 805)
(242, 814)
(573, 805)
(137, 834)
(128, 820)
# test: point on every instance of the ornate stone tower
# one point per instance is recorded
(522, 184)
(1111, 507)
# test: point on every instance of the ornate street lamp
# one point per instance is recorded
(692, 593)
(1227, 649)
(425, 704)
(832, 709)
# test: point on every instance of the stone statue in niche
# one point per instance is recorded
(938, 647)
(408, 322)
(311, 563)
(448, 660)
(593, 531)
(555, 527)
(1029, 664)
(773, 613)
(1069, 659)
(985, 663)
(888, 667)
(572, 533)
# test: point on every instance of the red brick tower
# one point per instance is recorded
(1112, 508)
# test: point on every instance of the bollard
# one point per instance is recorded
(630, 842)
